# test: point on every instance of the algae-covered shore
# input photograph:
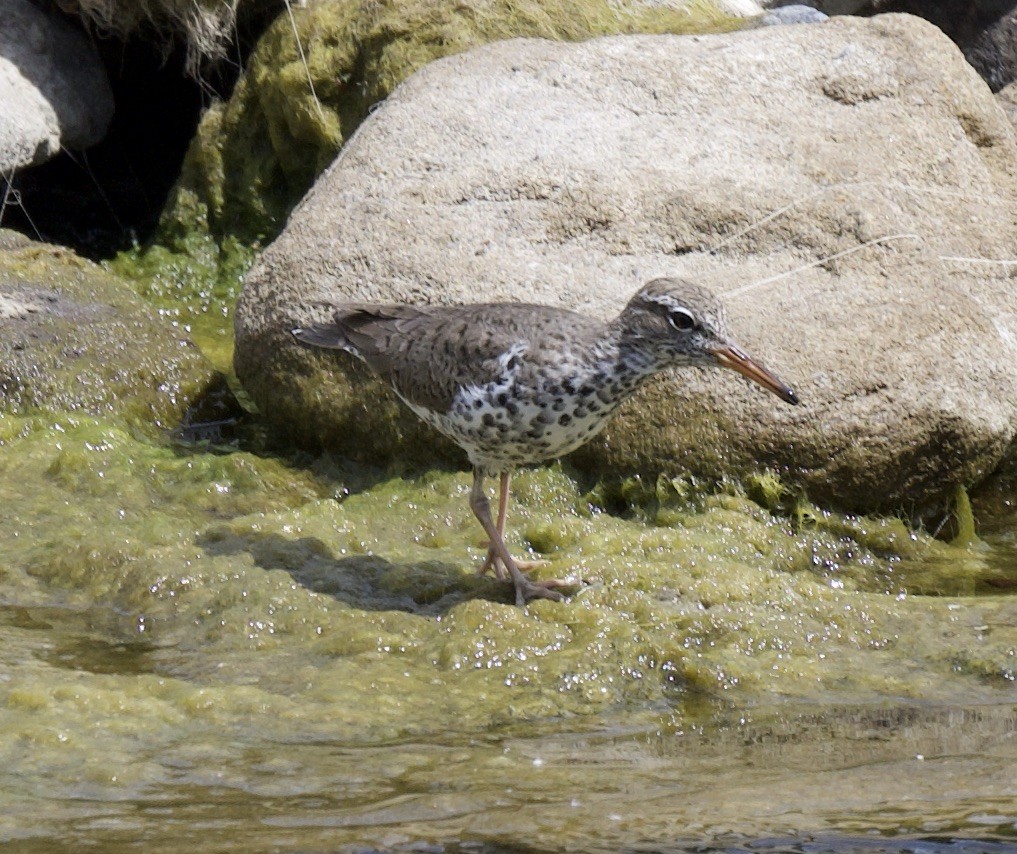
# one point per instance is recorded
(216, 635)
(192, 631)
(212, 637)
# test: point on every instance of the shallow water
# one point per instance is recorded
(214, 646)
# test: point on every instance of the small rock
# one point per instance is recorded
(53, 87)
(796, 14)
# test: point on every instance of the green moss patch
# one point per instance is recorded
(73, 337)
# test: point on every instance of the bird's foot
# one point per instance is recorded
(495, 563)
(527, 590)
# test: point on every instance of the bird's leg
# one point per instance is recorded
(492, 561)
(525, 589)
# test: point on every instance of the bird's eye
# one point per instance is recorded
(680, 319)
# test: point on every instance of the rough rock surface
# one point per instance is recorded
(255, 156)
(571, 174)
(53, 88)
(75, 338)
(985, 30)
(1007, 98)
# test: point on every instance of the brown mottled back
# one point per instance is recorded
(428, 353)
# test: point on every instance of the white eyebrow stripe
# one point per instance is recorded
(663, 299)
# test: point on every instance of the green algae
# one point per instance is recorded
(247, 560)
(192, 281)
(177, 623)
(85, 342)
(965, 514)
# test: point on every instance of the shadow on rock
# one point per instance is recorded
(367, 582)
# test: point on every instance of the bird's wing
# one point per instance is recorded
(366, 330)
(420, 350)
(430, 353)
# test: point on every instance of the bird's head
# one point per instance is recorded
(675, 322)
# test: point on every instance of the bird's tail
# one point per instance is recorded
(328, 335)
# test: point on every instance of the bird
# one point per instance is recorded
(517, 384)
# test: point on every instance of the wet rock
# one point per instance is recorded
(571, 174)
(52, 85)
(75, 338)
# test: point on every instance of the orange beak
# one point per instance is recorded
(729, 356)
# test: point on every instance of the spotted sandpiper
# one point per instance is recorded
(515, 384)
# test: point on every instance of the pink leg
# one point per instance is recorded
(525, 589)
(492, 561)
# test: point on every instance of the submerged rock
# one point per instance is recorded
(571, 174)
(74, 338)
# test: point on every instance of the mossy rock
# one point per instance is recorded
(255, 156)
(73, 337)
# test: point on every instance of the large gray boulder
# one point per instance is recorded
(53, 88)
(572, 173)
